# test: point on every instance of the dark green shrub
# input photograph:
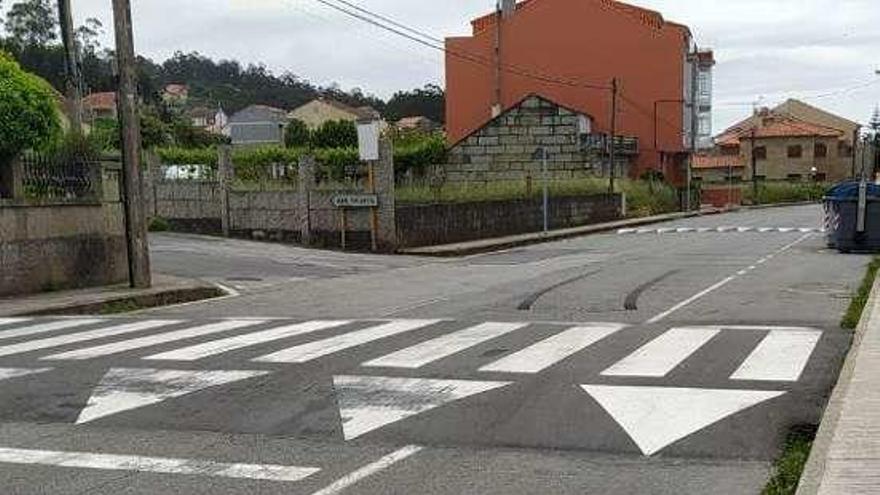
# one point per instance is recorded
(29, 116)
(335, 134)
(297, 134)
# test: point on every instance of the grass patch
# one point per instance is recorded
(159, 224)
(788, 468)
(784, 192)
(860, 299)
(643, 197)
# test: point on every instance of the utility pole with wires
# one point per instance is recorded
(127, 100)
(612, 151)
(73, 76)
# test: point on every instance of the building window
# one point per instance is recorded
(761, 153)
(585, 126)
(844, 150)
(730, 150)
(705, 125)
(795, 151)
(820, 150)
(820, 177)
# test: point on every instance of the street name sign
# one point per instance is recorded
(355, 200)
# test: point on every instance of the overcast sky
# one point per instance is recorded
(824, 51)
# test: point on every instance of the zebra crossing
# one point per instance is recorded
(160, 361)
(721, 230)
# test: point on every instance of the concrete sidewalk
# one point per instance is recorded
(845, 459)
(166, 290)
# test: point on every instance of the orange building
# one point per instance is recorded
(568, 51)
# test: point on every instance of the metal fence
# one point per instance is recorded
(46, 176)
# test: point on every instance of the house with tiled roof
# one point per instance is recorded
(321, 110)
(98, 106)
(793, 142)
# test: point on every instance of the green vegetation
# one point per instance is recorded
(335, 134)
(784, 192)
(159, 224)
(788, 468)
(29, 117)
(297, 134)
(860, 298)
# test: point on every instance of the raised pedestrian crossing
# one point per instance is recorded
(781, 356)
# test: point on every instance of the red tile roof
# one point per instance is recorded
(717, 161)
(178, 90)
(100, 101)
(775, 126)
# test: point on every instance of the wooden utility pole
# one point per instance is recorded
(612, 152)
(127, 102)
(72, 73)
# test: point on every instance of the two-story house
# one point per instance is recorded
(794, 141)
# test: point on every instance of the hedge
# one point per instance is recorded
(251, 163)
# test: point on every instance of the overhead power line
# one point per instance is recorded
(417, 36)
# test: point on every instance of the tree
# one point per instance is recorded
(29, 116)
(429, 101)
(32, 23)
(335, 134)
(297, 134)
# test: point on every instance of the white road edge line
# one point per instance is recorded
(164, 465)
(701, 294)
(350, 479)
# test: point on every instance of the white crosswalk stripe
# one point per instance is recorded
(12, 321)
(52, 326)
(781, 356)
(660, 356)
(314, 350)
(222, 346)
(550, 351)
(153, 340)
(61, 340)
(724, 229)
(445, 346)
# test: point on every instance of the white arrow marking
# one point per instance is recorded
(656, 417)
(164, 465)
(367, 403)
(122, 389)
(7, 373)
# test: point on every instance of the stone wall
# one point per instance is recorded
(504, 148)
(425, 225)
(48, 246)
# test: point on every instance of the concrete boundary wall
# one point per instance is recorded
(46, 246)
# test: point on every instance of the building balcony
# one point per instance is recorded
(600, 143)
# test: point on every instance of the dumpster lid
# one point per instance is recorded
(850, 190)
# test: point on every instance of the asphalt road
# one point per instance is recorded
(672, 359)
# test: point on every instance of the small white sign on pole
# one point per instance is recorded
(368, 139)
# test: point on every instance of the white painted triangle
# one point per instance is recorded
(7, 373)
(367, 403)
(656, 417)
(122, 389)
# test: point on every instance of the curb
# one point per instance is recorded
(814, 471)
(501, 243)
(135, 302)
